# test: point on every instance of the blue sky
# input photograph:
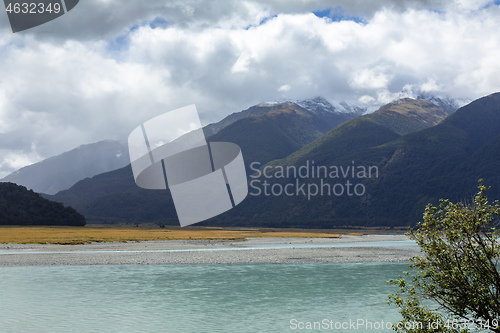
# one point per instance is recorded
(338, 14)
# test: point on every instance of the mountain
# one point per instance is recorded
(62, 171)
(448, 104)
(318, 106)
(276, 133)
(391, 179)
(20, 206)
(113, 196)
(309, 118)
(259, 138)
(386, 124)
(408, 115)
(275, 124)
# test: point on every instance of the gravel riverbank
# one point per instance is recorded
(367, 248)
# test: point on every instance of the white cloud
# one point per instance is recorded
(285, 88)
(242, 64)
(367, 100)
(101, 70)
(375, 78)
(431, 86)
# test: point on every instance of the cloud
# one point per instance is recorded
(105, 67)
(285, 88)
(97, 19)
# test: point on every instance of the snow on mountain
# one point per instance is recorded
(61, 172)
(319, 104)
(447, 103)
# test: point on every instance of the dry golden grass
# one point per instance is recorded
(81, 235)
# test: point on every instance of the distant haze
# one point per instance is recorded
(61, 172)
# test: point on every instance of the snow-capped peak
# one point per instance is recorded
(319, 105)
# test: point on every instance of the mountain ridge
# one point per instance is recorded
(415, 169)
(60, 172)
(109, 197)
(318, 106)
(51, 179)
(20, 206)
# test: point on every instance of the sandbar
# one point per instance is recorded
(366, 248)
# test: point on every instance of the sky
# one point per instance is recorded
(107, 66)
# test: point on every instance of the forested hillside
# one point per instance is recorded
(19, 206)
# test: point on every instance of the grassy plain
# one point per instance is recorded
(83, 235)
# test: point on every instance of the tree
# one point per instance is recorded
(455, 283)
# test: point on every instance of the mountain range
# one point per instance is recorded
(441, 161)
(309, 121)
(318, 106)
(412, 151)
(264, 133)
(420, 151)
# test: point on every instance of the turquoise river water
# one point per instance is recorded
(198, 298)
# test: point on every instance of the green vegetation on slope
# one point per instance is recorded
(441, 161)
(420, 167)
(113, 197)
(408, 115)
